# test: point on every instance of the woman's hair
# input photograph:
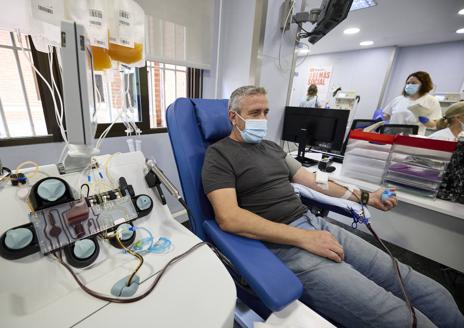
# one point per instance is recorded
(452, 112)
(425, 80)
(312, 90)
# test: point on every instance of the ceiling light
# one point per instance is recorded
(460, 31)
(301, 49)
(366, 43)
(362, 4)
(351, 30)
(302, 52)
(461, 12)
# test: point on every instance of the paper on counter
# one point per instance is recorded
(314, 156)
(419, 110)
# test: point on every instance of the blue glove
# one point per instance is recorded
(423, 119)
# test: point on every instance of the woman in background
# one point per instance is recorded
(451, 126)
(311, 98)
(416, 91)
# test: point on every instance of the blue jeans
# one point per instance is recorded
(363, 291)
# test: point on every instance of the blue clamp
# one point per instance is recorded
(361, 219)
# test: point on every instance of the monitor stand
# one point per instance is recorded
(301, 139)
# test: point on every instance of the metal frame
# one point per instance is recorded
(78, 95)
(15, 50)
(41, 62)
(4, 122)
(108, 93)
(163, 69)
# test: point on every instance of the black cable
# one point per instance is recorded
(184, 204)
(8, 171)
(88, 188)
(394, 261)
(132, 299)
(398, 274)
(3, 175)
(301, 27)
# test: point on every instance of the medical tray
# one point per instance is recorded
(366, 156)
(416, 165)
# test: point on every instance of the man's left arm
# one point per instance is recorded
(308, 179)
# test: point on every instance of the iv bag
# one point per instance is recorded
(93, 14)
(35, 18)
(115, 29)
(127, 33)
(48, 15)
(19, 16)
(48, 11)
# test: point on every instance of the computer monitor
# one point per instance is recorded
(316, 127)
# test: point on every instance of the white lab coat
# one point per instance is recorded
(444, 134)
(310, 102)
(400, 114)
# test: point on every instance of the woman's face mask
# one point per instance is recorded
(254, 131)
(411, 89)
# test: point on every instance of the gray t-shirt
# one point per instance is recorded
(260, 175)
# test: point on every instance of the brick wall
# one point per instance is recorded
(156, 83)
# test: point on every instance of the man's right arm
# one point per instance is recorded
(232, 218)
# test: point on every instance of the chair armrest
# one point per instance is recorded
(344, 207)
(269, 278)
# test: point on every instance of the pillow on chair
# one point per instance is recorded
(212, 118)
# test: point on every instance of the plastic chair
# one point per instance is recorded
(194, 124)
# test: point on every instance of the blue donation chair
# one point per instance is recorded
(193, 125)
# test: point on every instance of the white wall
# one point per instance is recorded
(273, 77)
(235, 57)
(236, 45)
(153, 145)
(443, 61)
(362, 71)
(210, 84)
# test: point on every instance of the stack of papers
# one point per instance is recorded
(419, 110)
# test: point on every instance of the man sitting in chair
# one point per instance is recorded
(346, 279)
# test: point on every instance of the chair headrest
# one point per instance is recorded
(212, 118)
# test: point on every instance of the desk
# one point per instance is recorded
(431, 228)
(36, 291)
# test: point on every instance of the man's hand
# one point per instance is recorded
(321, 243)
(375, 200)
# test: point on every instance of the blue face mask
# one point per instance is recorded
(254, 130)
(411, 89)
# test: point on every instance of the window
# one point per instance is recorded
(21, 111)
(27, 113)
(110, 94)
(166, 83)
